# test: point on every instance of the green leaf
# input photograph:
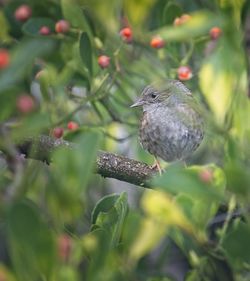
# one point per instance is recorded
(68, 273)
(131, 228)
(160, 279)
(21, 60)
(103, 205)
(8, 102)
(170, 12)
(217, 84)
(4, 31)
(85, 49)
(234, 10)
(31, 125)
(32, 247)
(223, 84)
(104, 11)
(137, 11)
(33, 25)
(238, 178)
(236, 245)
(109, 214)
(202, 210)
(161, 213)
(180, 180)
(72, 170)
(74, 14)
(211, 268)
(104, 260)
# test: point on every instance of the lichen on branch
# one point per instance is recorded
(108, 164)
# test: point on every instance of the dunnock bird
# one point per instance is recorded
(171, 126)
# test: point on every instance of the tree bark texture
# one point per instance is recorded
(108, 164)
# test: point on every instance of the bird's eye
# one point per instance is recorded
(153, 95)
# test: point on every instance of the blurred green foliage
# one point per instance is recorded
(45, 210)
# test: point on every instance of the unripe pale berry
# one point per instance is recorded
(177, 21)
(185, 18)
(103, 61)
(206, 175)
(182, 19)
(62, 26)
(4, 58)
(72, 126)
(126, 34)
(58, 132)
(184, 73)
(64, 246)
(23, 13)
(25, 103)
(157, 42)
(215, 33)
(44, 30)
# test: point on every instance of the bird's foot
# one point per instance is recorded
(157, 166)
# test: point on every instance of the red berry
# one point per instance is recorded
(25, 103)
(58, 132)
(44, 30)
(184, 73)
(206, 175)
(157, 42)
(215, 33)
(126, 34)
(103, 61)
(4, 58)
(62, 26)
(72, 126)
(23, 13)
(64, 246)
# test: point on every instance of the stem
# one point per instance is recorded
(189, 53)
(231, 207)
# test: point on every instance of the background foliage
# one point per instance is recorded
(60, 221)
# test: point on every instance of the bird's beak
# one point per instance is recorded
(139, 102)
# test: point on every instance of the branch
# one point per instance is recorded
(108, 164)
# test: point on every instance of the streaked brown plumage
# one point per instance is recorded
(171, 126)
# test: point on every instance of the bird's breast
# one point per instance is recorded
(171, 133)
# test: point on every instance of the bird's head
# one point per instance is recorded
(167, 92)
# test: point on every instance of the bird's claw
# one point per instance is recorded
(157, 166)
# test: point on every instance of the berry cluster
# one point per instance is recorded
(24, 12)
(58, 132)
(26, 104)
(182, 20)
(157, 42)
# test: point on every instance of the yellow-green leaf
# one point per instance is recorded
(217, 85)
(106, 11)
(138, 10)
(159, 205)
(150, 234)
(4, 36)
(199, 24)
(161, 211)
